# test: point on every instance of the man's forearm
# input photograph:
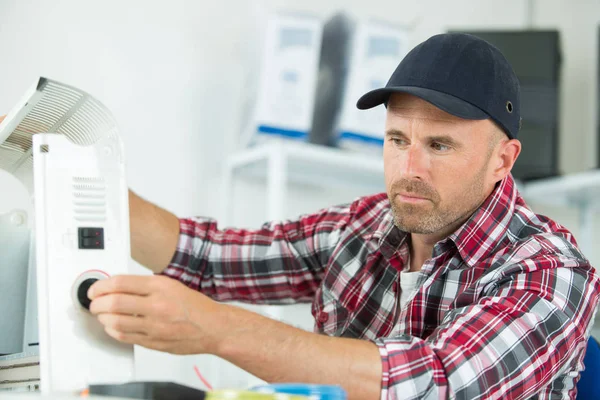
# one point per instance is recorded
(276, 352)
(154, 233)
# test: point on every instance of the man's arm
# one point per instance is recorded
(276, 352)
(512, 343)
(154, 233)
(528, 328)
(282, 262)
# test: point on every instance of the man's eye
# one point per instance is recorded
(440, 147)
(398, 141)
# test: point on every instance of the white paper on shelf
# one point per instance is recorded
(282, 76)
(376, 50)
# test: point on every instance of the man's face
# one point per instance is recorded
(437, 166)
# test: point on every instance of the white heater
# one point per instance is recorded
(64, 147)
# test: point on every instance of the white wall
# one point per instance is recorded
(171, 72)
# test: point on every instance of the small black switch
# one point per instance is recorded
(91, 232)
(91, 238)
(82, 292)
(89, 243)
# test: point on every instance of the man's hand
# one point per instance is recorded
(2, 117)
(162, 314)
(155, 312)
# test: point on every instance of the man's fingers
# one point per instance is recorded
(120, 303)
(132, 284)
(123, 323)
(131, 338)
(2, 117)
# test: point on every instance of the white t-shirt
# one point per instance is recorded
(408, 284)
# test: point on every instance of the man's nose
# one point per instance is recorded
(415, 162)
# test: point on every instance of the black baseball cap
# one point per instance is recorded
(458, 73)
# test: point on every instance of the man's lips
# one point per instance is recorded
(411, 198)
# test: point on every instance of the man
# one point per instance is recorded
(447, 286)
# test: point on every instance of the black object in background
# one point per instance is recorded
(536, 59)
(333, 73)
(149, 391)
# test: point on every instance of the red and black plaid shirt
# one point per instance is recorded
(503, 310)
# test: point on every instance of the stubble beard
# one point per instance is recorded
(433, 216)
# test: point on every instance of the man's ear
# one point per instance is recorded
(508, 152)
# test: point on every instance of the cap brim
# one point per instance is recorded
(451, 104)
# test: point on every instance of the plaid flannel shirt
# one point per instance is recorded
(503, 310)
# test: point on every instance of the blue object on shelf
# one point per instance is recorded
(321, 392)
(361, 137)
(288, 133)
(588, 386)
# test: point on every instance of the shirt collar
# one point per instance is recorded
(475, 239)
(484, 230)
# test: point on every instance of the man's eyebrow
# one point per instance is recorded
(444, 139)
